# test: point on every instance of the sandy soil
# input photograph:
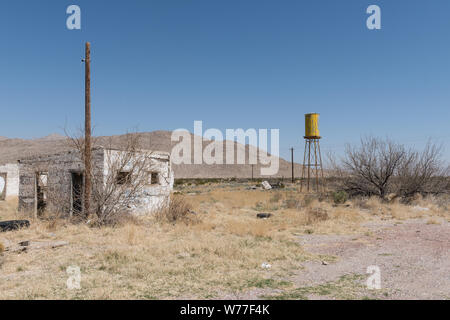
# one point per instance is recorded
(413, 257)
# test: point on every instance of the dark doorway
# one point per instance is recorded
(77, 193)
(41, 191)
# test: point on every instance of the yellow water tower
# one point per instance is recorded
(312, 159)
(312, 125)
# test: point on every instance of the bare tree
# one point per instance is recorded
(379, 167)
(372, 166)
(118, 182)
(129, 172)
(421, 172)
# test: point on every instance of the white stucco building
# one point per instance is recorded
(57, 180)
(9, 181)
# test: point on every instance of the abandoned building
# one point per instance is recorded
(9, 181)
(57, 181)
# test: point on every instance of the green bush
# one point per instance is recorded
(340, 197)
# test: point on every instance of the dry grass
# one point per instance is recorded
(221, 253)
(433, 221)
(178, 210)
(151, 259)
(8, 209)
(419, 208)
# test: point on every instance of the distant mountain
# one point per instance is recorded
(52, 137)
(13, 149)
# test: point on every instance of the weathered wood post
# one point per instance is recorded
(87, 133)
(292, 165)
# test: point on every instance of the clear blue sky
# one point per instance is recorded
(231, 63)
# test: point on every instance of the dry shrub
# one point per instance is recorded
(435, 203)
(244, 228)
(402, 212)
(52, 221)
(2, 248)
(433, 221)
(52, 225)
(347, 214)
(416, 199)
(376, 206)
(422, 172)
(314, 215)
(360, 203)
(370, 167)
(373, 203)
(292, 203)
(380, 167)
(397, 209)
(276, 197)
(178, 210)
(308, 200)
(126, 218)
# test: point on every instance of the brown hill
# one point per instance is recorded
(13, 149)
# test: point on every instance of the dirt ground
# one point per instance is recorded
(309, 248)
(413, 258)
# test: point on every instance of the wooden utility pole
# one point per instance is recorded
(87, 132)
(292, 164)
(252, 172)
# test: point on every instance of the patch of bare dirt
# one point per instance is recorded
(413, 257)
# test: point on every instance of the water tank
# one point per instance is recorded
(312, 125)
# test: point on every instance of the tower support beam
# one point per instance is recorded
(312, 166)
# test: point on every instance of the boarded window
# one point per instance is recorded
(123, 177)
(2, 186)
